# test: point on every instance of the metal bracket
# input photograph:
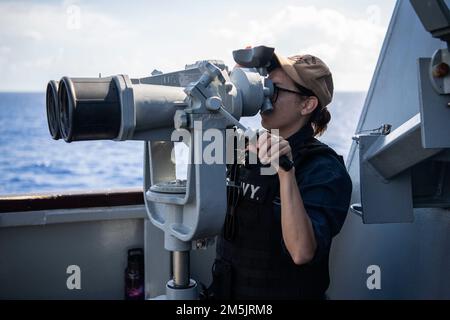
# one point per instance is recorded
(435, 17)
(383, 201)
(434, 107)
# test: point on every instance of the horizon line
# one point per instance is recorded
(43, 91)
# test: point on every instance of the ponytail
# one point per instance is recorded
(319, 120)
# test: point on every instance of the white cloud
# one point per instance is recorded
(41, 44)
(349, 45)
(39, 41)
(33, 35)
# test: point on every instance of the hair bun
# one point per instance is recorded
(320, 121)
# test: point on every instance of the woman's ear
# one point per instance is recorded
(309, 105)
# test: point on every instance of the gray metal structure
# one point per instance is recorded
(401, 182)
(192, 211)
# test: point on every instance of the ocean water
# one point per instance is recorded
(32, 162)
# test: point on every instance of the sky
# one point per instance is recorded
(44, 40)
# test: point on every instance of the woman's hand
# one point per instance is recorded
(270, 148)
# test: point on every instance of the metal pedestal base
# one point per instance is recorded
(173, 293)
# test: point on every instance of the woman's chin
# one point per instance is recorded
(265, 123)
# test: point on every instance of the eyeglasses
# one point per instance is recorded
(277, 89)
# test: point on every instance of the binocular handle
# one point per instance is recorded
(285, 163)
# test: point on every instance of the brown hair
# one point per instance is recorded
(319, 120)
(320, 116)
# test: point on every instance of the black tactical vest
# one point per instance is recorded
(252, 262)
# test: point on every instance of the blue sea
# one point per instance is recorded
(32, 162)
